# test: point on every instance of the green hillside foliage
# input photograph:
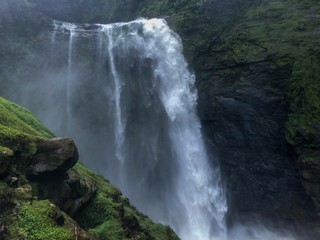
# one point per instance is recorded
(28, 214)
(19, 129)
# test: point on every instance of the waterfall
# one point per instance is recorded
(144, 102)
(69, 28)
(53, 35)
(119, 127)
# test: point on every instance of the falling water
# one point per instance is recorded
(71, 28)
(154, 149)
(53, 35)
(64, 27)
(119, 126)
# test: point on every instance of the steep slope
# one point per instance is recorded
(43, 197)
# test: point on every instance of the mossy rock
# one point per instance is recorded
(28, 214)
(109, 215)
(6, 157)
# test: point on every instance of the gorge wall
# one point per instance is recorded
(257, 69)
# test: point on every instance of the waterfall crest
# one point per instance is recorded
(154, 148)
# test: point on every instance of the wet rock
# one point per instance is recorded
(82, 193)
(245, 124)
(6, 200)
(309, 164)
(4, 233)
(54, 156)
(67, 192)
(58, 218)
(13, 181)
(131, 225)
(6, 156)
(80, 234)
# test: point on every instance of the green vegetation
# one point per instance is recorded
(35, 222)
(304, 120)
(30, 215)
(110, 216)
(19, 129)
(286, 34)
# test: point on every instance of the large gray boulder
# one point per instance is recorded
(54, 156)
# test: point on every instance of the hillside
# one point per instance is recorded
(46, 194)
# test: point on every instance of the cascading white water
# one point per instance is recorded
(71, 29)
(119, 126)
(53, 35)
(157, 155)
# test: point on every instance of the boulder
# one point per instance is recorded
(6, 156)
(54, 156)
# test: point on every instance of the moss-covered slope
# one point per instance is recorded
(19, 129)
(77, 204)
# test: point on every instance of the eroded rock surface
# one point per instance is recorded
(54, 156)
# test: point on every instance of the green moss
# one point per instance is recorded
(3, 187)
(19, 129)
(105, 216)
(20, 119)
(102, 217)
(4, 149)
(304, 94)
(22, 193)
(110, 229)
(283, 34)
(35, 222)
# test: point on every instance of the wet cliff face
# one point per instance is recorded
(258, 114)
(256, 64)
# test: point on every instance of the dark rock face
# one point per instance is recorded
(6, 157)
(246, 124)
(244, 78)
(4, 233)
(67, 192)
(309, 165)
(53, 156)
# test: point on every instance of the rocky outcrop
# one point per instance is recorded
(68, 192)
(43, 192)
(53, 156)
(6, 157)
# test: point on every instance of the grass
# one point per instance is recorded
(107, 214)
(19, 129)
(35, 222)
